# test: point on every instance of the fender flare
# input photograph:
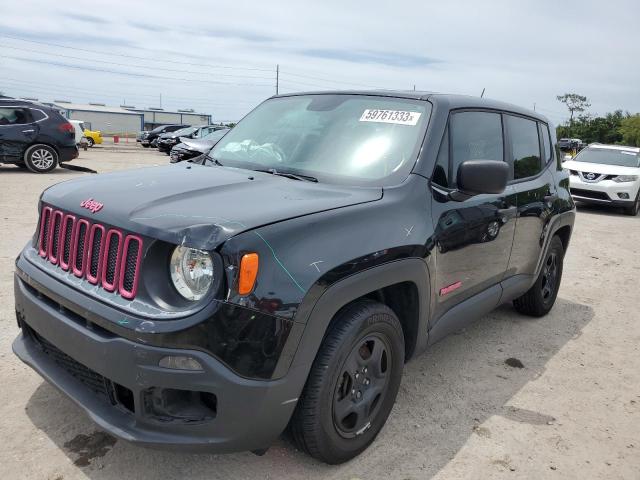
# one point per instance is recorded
(348, 289)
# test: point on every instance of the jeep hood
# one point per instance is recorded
(199, 206)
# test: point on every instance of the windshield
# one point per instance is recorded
(605, 156)
(353, 139)
(184, 131)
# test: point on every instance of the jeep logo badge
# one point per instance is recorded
(91, 205)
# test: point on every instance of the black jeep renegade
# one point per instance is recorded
(286, 278)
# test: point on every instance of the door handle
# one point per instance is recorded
(31, 130)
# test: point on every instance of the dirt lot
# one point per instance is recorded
(572, 411)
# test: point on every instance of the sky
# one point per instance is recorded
(220, 57)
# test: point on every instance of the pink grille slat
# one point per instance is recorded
(128, 284)
(53, 244)
(112, 235)
(66, 244)
(79, 250)
(104, 257)
(93, 257)
(43, 238)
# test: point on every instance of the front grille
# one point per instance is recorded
(112, 392)
(96, 382)
(589, 194)
(103, 256)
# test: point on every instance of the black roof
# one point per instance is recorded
(453, 101)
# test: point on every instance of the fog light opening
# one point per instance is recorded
(180, 362)
(624, 195)
(173, 405)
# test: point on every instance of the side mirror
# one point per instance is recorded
(476, 177)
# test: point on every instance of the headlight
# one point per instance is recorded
(191, 272)
(625, 178)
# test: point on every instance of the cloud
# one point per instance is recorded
(521, 52)
(87, 18)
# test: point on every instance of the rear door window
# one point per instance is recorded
(525, 146)
(14, 116)
(475, 135)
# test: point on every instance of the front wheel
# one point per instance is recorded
(542, 295)
(90, 141)
(352, 385)
(41, 158)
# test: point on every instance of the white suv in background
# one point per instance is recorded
(607, 175)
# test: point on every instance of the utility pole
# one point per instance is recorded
(482, 94)
(414, 88)
(534, 106)
(277, 78)
(160, 100)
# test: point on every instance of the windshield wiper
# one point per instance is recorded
(293, 176)
(215, 161)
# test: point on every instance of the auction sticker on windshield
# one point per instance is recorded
(390, 116)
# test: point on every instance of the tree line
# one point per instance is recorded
(616, 127)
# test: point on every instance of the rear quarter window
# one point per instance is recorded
(525, 146)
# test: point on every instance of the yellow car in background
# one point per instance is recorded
(93, 136)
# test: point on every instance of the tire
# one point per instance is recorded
(91, 142)
(633, 210)
(340, 412)
(542, 295)
(41, 158)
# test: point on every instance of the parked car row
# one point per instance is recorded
(182, 142)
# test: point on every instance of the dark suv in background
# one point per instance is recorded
(150, 138)
(286, 278)
(34, 136)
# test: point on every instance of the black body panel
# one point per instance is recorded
(439, 258)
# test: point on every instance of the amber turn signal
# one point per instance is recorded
(248, 273)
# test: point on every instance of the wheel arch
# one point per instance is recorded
(394, 283)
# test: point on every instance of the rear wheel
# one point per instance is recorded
(41, 158)
(352, 385)
(633, 210)
(90, 141)
(542, 295)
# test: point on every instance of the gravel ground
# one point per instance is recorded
(571, 411)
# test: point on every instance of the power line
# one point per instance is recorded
(66, 89)
(129, 65)
(164, 60)
(93, 52)
(133, 74)
(329, 80)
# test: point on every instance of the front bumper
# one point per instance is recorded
(117, 381)
(166, 146)
(604, 192)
